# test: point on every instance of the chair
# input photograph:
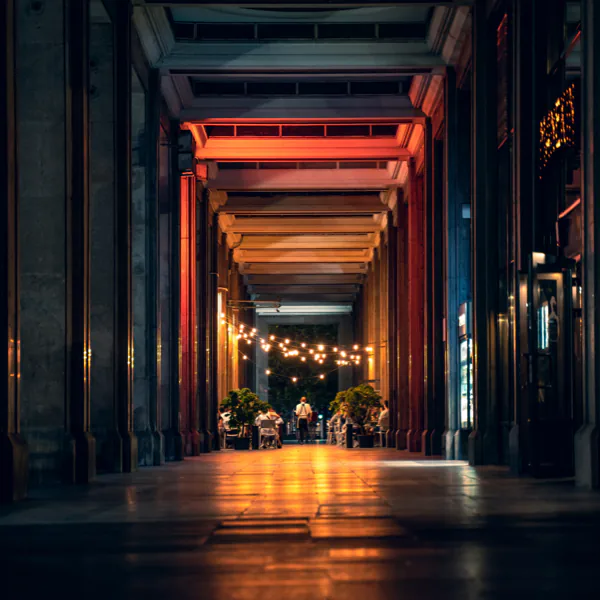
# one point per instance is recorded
(230, 435)
(267, 429)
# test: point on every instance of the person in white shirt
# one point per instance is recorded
(303, 413)
(268, 436)
(384, 421)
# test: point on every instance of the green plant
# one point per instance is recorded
(359, 403)
(337, 403)
(243, 407)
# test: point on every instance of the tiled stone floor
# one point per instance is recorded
(311, 522)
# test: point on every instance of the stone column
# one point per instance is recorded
(483, 441)
(587, 439)
(170, 292)
(124, 351)
(102, 224)
(432, 436)
(202, 298)
(213, 333)
(13, 449)
(392, 330)
(54, 227)
(415, 311)
(403, 353)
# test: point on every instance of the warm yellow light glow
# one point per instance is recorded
(248, 341)
(222, 315)
(272, 338)
(281, 345)
(287, 341)
(253, 330)
(303, 345)
(222, 321)
(303, 359)
(294, 379)
(321, 376)
(317, 356)
(321, 347)
(262, 341)
(355, 347)
(369, 349)
(343, 354)
(244, 357)
(311, 351)
(268, 372)
(245, 336)
(335, 349)
(320, 362)
(286, 354)
(241, 326)
(238, 336)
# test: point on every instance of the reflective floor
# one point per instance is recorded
(310, 522)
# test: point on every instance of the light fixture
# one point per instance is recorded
(267, 372)
(294, 379)
(303, 359)
(321, 376)
(244, 357)
(369, 349)
(320, 362)
(272, 338)
(222, 315)
(287, 341)
(253, 330)
(343, 354)
(303, 345)
(355, 347)
(311, 351)
(335, 349)
(321, 347)
(281, 345)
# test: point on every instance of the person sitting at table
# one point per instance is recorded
(267, 436)
(274, 416)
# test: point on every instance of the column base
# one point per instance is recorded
(110, 456)
(192, 442)
(448, 444)
(81, 467)
(145, 448)
(390, 438)
(158, 448)
(14, 467)
(174, 445)
(414, 438)
(515, 458)
(587, 457)
(206, 440)
(401, 436)
(461, 444)
(475, 448)
(431, 443)
(130, 452)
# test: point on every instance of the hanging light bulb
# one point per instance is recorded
(222, 315)
(311, 351)
(335, 349)
(343, 354)
(272, 338)
(320, 362)
(355, 347)
(286, 354)
(262, 341)
(253, 330)
(245, 336)
(222, 321)
(238, 336)
(248, 341)
(244, 357)
(317, 356)
(369, 349)
(321, 376)
(241, 327)
(287, 341)
(303, 345)
(321, 347)
(268, 372)
(303, 359)
(281, 345)
(294, 379)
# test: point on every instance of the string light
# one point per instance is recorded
(355, 347)
(321, 347)
(303, 359)
(335, 349)
(272, 338)
(321, 376)
(311, 351)
(294, 379)
(244, 357)
(268, 372)
(303, 345)
(287, 342)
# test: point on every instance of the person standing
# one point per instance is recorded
(303, 413)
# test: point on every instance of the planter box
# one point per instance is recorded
(366, 441)
(242, 443)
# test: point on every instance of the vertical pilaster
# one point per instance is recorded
(415, 310)
(13, 449)
(483, 441)
(174, 440)
(392, 330)
(587, 439)
(202, 298)
(403, 350)
(124, 352)
(213, 333)
(153, 100)
(431, 442)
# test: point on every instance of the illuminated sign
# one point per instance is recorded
(557, 128)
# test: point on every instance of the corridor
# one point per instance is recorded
(313, 522)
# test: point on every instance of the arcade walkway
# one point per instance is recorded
(310, 522)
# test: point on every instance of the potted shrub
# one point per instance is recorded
(359, 404)
(243, 407)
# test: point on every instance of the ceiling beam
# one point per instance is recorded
(351, 241)
(290, 55)
(316, 298)
(264, 225)
(313, 279)
(300, 149)
(281, 180)
(301, 256)
(275, 4)
(303, 289)
(264, 205)
(301, 268)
